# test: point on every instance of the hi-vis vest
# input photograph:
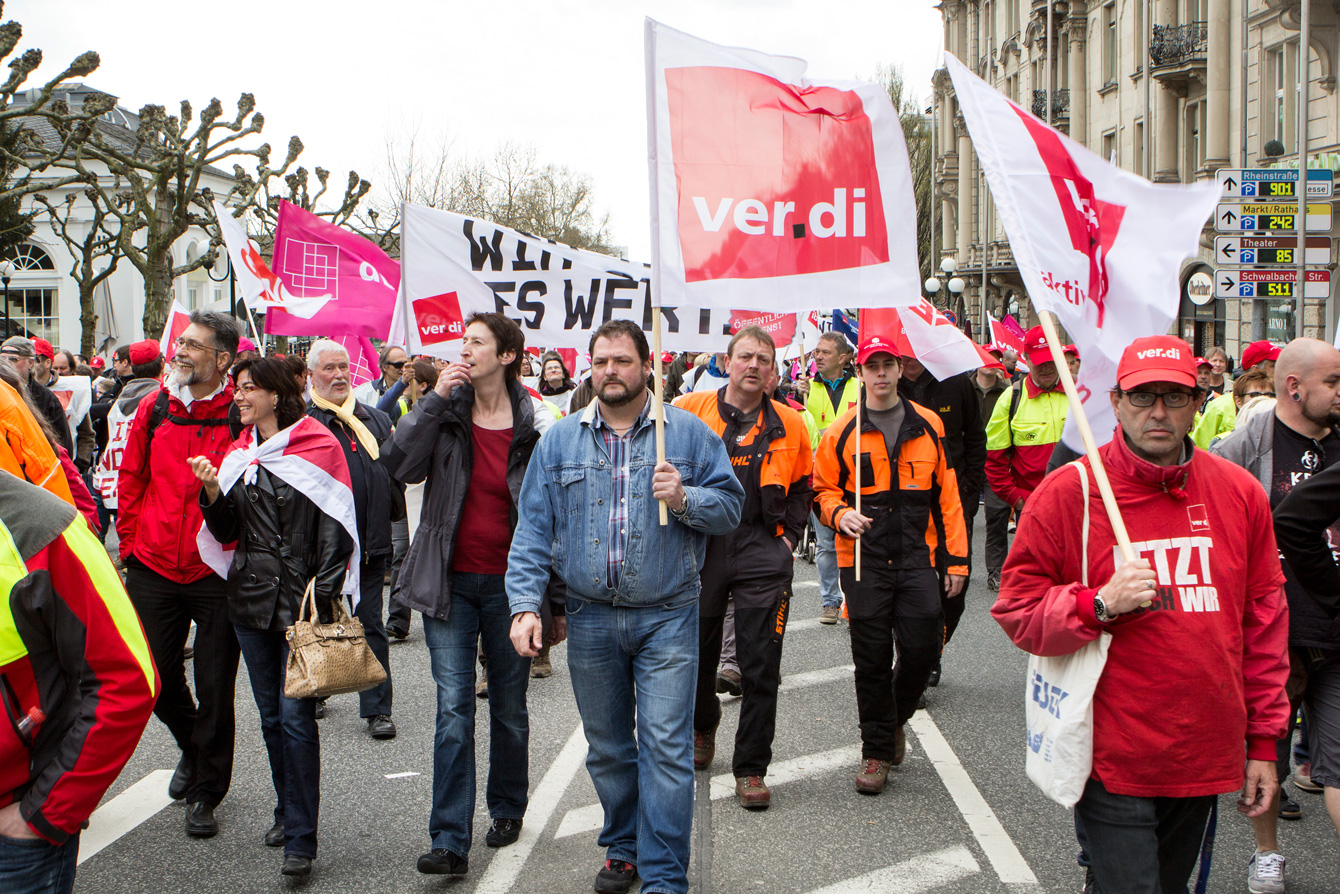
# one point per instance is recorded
(822, 409)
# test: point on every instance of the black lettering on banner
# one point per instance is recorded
(544, 260)
(704, 321)
(579, 307)
(501, 305)
(484, 249)
(612, 301)
(521, 263)
(526, 306)
(669, 317)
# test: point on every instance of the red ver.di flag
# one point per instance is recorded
(768, 187)
(1098, 246)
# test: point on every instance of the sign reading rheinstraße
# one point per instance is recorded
(1275, 217)
(1270, 284)
(1274, 183)
(1266, 250)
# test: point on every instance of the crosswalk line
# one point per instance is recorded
(591, 818)
(921, 873)
(124, 812)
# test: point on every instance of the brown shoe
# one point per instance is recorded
(752, 792)
(728, 681)
(704, 748)
(874, 773)
(899, 746)
(540, 668)
(830, 614)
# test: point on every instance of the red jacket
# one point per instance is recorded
(158, 509)
(72, 647)
(1203, 669)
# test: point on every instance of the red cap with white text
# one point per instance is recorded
(1156, 358)
(1036, 347)
(873, 345)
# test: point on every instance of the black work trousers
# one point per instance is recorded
(888, 608)
(1141, 845)
(952, 609)
(758, 650)
(204, 731)
(997, 531)
(371, 580)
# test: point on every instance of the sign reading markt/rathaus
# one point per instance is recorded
(1273, 217)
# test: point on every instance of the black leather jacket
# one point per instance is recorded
(283, 541)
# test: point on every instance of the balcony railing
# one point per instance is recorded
(1060, 103)
(1177, 44)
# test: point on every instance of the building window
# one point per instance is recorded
(32, 313)
(1110, 145)
(1138, 151)
(1194, 124)
(193, 297)
(1109, 44)
(28, 257)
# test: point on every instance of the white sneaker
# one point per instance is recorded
(1265, 873)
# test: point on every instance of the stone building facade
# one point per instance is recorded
(1164, 89)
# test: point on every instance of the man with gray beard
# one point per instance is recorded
(158, 518)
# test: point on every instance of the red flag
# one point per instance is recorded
(178, 319)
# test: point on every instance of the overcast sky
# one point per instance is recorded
(564, 75)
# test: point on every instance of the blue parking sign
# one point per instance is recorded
(1246, 290)
(1247, 223)
(1247, 256)
(1248, 189)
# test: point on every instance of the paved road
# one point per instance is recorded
(959, 815)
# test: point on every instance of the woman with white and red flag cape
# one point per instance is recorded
(282, 499)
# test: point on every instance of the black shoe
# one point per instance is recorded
(615, 877)
(503, 832)
(1289, 808)
(299, 867)
(993, 580)
(320, 711)
(275, 837)
(396, 631)
(381, 727)
(181, 779)
(440, 861)
(200, 822)
(188, 653)
(934, 678)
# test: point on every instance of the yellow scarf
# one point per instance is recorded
(345, 413)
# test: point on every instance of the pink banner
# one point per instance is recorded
(314, 258)
(362, 358)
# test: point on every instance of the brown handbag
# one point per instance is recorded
(328, 659)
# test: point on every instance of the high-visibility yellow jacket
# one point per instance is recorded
(821, 406)
(1018, 449)
(1220, 418)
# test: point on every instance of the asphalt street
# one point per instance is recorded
(959, 814)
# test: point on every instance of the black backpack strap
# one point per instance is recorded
(1015, 395)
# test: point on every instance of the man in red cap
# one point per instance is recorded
(1020, 436)
(1221, 414)
(909, 503)
(1197, 623)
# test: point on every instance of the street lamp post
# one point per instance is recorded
(956, 285)
(6, 272)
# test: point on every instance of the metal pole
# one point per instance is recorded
(1146, 64)
(1049, 63)
(1242, 99)
(6, 307)
(935, 202)
(232, 290)
(1304, 71)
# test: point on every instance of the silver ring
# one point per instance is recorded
(1152, 585)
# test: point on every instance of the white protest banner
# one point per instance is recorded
(453, 266)
(769, 188)
(1099, 247)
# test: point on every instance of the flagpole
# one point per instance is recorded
(1085, 432)
(658, 395)
(856, 474)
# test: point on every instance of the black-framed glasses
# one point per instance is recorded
(400, 365)
(1173, 400)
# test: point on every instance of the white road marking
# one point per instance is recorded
(123, 813)
(400, 775)
(591, 818)
(1005, 858)
(507, 863)
(912, 876)
(817, 678)
(804, 583)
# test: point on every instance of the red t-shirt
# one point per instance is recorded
(483, 535)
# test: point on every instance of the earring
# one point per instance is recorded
(1296, 396)
(276, 406)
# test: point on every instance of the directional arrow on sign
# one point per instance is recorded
(1229, 250)
(1229, 217)
(1228, 283)
(1230, 183)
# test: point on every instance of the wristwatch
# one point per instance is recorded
(1100, 610)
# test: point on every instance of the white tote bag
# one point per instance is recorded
(1058, 699)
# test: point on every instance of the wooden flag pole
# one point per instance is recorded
(1090, 446)
(856, 475)
(658, 396)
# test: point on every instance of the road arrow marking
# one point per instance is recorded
(123, 813)
(996, 843)
(913, 876)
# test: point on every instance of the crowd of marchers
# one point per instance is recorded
(514, 507)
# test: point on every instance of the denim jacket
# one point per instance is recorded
(563, 514)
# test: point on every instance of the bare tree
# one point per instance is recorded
(917, 134)
(95, 251)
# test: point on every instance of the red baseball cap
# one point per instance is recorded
(875, 344)
(1036, 347)
(1071, 349)
(1201, 361)
(144, 352)
(43, 348)
(96, 363)
(1255, 353)
(1156, 358)
(993, 348)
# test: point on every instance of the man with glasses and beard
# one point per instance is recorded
(158, 518)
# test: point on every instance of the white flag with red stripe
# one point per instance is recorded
(927, 335)
(1098, 246)
(769, 187)
(306, 457)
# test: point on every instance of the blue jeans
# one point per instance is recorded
(637, 667)
(288, 726)
(825, 557)
(36, 866)
(479, 614)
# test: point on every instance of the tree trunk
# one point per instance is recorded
(88, 318)
(157, 291)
